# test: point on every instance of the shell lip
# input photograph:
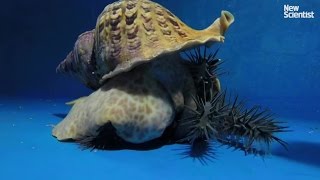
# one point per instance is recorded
(226, 20)
(228, 16)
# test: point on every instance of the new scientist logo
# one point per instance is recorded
(295, 12)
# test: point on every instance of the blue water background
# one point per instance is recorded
(270, 60)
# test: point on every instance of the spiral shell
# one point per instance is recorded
(131, 32)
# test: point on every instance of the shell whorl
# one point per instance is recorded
(131, 32)
(80, 62)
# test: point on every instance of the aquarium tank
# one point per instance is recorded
(159, 89)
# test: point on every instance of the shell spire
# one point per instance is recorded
(80, 62)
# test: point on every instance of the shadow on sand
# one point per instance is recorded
(302, 152)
